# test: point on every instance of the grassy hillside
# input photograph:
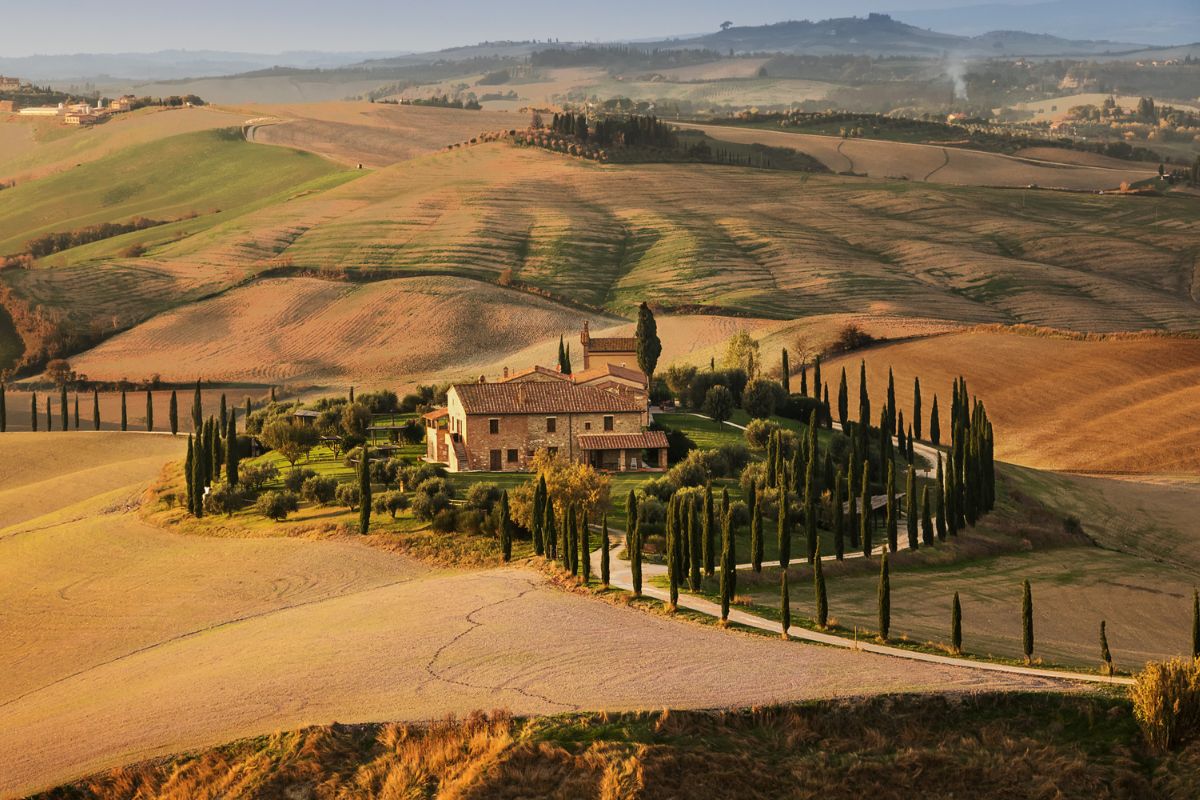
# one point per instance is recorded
(191, 174)
(987, 746)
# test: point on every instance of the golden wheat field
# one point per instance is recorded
(1120, 404)
(937, 164)
(125, 640)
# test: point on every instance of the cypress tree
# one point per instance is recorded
(893, 528)
(3, 409)
(864, 518)
(864, 402)
(839, 520)
(272, 394)
(364, 491)
(710, 532)
(635, 558)
(891, 403)
(916, 421)
(1195, 624)
(62, 408)
(149, 411)
(605, 547)
(785, 372)
(49, 416)
(910, 453)
(568, 539)
(585, 548)
(550, 532)
(351, 395)
(785, 603)
(1105, 655)
(935, 428)
(231, 450)
(885, 598)
(199, 479)
(956, 626)
(630, 519)
(822, 599)
(910, 508)
(197, 412)
(673, 554)
(926, 518)
(247, 412)
(187, 477)
(901, 441)
(726, 565)
(756, 535)
(124, 413)
(810, 510)
(224, 413)
(33, 411)
(649, 348)
(783, 530)
(827, 410)
(851, 505)
(693, 527)
(96, 409)
(173, 413)
(843, 400)
(804, 378)
(539, 513)
(76, 410)
(1027, 620)
(817, 377)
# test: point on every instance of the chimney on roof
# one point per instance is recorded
(483, 379)
(506, 373)
(584, 336)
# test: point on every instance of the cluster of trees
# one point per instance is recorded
(68, 411)
(50, 243)
(619, 57)
(444, 101)
(633, 130)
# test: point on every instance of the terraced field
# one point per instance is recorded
(1123, 405)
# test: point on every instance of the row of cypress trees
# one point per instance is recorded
(213, 452)
(66, 418)
(564, 538)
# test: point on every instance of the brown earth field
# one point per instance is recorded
(1121, 404)
(34, 148)
(373, 134)
(937, 164)
(123, 641)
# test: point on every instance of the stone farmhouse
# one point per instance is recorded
(597, 416)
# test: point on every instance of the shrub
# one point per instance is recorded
(1166, 702)
(732, 379)
(255, 476)
(277, 505)
(659, 488)
(468, 520)
(413, 432)
(390, 503)
(799, 407)
(482, 496)
(432, 497)
(225, 499)
(386, 472)
(739, 514)
(413, 476)
(383, 401)
(444, 521)
(678, 442)
(718, 403)
(735, 457)
(852, 337)
(348, 494)
(651, 511)
(761, 397)
(759, 431)
(294, 480)
(319, 490)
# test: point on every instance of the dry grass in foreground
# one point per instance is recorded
(982, 747)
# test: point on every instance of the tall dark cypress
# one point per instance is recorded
(539, 513)
(505, 529)
(550, 532)
(1105, 653)
(693, 527)
(49, 415)
(935, 427)
(864, 518)
(585, 548)
(77, 411)
(246, 413)
(568, 544)
(96, 409)
(635, 558)
(364, 491)
(893, 528)
(3, 409)
(605, 548)
(940, 519)
(1195, 624)
(926, 518)
(199, 478)
(843, 400)
(910, 508)
(891, 403)
(1027, 621)
(785, 372)
(804, 378)
(817, 377)
(956, 625)
(885, 598)
(756, 535)
(124, 413)
(810, 510)
(149, 410)
(649, 347)
(710, 532)
(783, 529)
(785, 603)
(916, 420)
(33, 412)
(673, 553)
(223, 416)
(726, 565)
(232, 456)
(839, 518)
(197, 409)
(851, 505)
(864, 403)
(187, 478)
(62, 408)
(822, 598)
(173, 413)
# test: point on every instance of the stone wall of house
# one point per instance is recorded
(527, 433)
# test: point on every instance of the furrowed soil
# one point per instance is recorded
(1129, 405)
(124, 641)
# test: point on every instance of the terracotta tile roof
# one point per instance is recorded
(542, 397)
(437, 413)
(614, 370)
(536, 370)
(612, 344)
(647, 440)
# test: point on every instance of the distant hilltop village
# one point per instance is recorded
(18, 97)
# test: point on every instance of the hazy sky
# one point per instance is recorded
(270, 26)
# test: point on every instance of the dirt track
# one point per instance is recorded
(121, 641)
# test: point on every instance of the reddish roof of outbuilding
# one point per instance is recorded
(647, 440)
(542, 397)
(612, 344)
(437, 413)
(536, 370)
(613, 370)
